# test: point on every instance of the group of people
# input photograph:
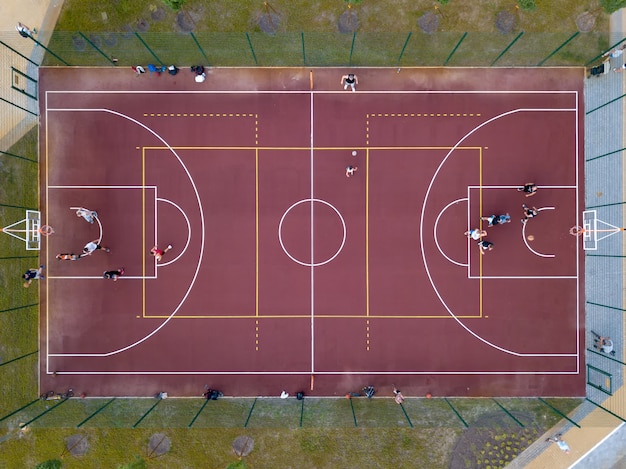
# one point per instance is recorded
(476, 234)
(92, 246)
(198, 70)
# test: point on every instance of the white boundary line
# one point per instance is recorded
(423, 251)
(307, 373)
(202, 239)
(306, 92)
(519, 277)
(98, 277)
(103, 187)
(526, 242)
(435, 231)
(312, 197)
(163, 264)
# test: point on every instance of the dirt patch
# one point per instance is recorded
(428, 22)
(77, 445)
(268, 22)
(243, 446)
(348, 22)
(506, 22)
(585, 22)
(142, 25)
(158, 445)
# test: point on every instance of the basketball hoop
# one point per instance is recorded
(577, 230)
(46, 230)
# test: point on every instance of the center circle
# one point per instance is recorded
(312, 235)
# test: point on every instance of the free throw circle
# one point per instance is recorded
(286, 251)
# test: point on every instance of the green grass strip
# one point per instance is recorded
(558, 412)
(406, 415)
(63, 401)
(250, 413)
(94, 414)
(606, 410)
(19, 358)
(146, 414)
(18, 410)
(558, 48)
(605, 104)
(605, 306)
(457, 414)
(17, 307)
(508, 413)
(206, 401)
(353, 413)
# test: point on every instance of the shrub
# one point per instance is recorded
(49, 464)
(611, 6)
(174, 4)
(526, 4)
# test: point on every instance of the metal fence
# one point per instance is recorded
(324, 48)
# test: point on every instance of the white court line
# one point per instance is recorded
(102, 187)
(515, 187)
(312, 197)
(163, 264)
(521, 277)
(97, 277)
(305, 92)
(202, 240)
(307, 373)
(435, 232)
(524, 236)
(422, 247)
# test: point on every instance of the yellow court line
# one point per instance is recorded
(256, 211)
(298, 316)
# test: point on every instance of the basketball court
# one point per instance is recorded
(285, 273)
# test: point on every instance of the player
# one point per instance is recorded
(484, 246)
(350, 170)
(350, 80)
(92, 246)
(158, 253)
(89, 215)
(475, 234)
(113, 274)
(529, 213)
(68, 257)
(530, 189)
(497, 219)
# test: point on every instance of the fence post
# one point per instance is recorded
(147, 413)
(19, 358)
(455, 411)
(206, 401)
(97, 48)
(406, 43)
(506, 49)
(94, 414)
(193, 36)
(16, 308)
(605, 104)
(63, 401)
(17, 206)
(19, 107)
(352, 47)
(48, 50)
(353, 413)
(18, 53)
(18, 410)
(558, 412)
(252, 49)
(148, 47)
(558, 48)
(303, 49)
(245, 425)
(508, 413)
(17, 156)
(454, 50)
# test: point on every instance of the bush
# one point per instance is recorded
(138, 463)
(611, 6)
(526, 4)
(174, 4)
(49, 464)
(443, 2)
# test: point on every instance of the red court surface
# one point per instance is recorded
(286, 274)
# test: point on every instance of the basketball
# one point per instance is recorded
(354, 153)
(530, 238)
(428, 395)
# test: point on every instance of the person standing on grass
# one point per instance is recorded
(349, 80)
(113, 274)
(350, 170)
(92, 246)
(158, 253)
(530, 189)
(33, 274)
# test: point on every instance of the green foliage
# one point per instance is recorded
(49, 464)
(352, 2)
(443, 2)
(138, 463)
(611, 6)
(174, 4)
(526, 4)
(241, 464)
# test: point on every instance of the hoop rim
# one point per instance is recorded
(577, 230)
(46, 230)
